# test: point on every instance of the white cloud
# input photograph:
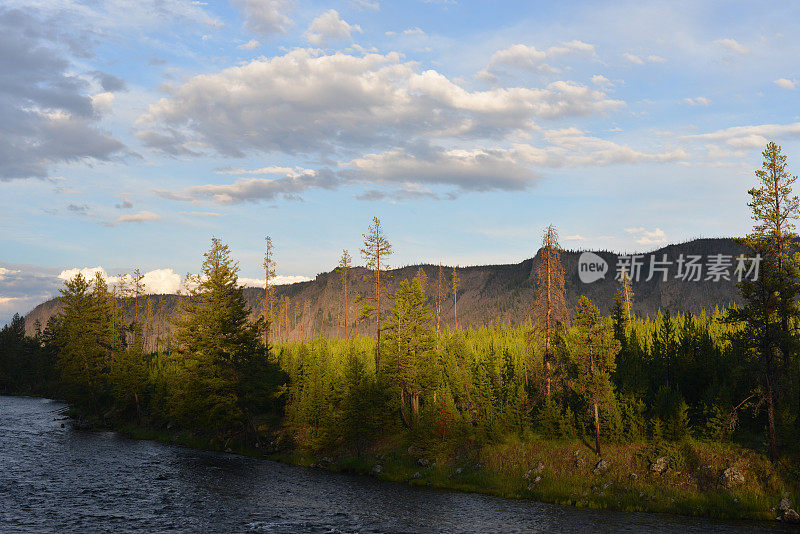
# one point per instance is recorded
(141, 216)
(275, 170)
(157, 281)
(530, 58)
(748, 137)
(576, 237)
(733, 45)
(5, 272)
(255, 189)
(784, 83)
(647, 237)
(641, 60)
(600, 80)
(277, 281)
(266, 17)
(305, 102)
(483, 169)
(249, 45)
(697, 101)
(329, 27)
(103, 103)
(201, 214)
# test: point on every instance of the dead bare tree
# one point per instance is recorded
(344, 267)
(550, 308)
(269, 274)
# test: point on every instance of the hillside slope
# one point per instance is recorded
(487, 293)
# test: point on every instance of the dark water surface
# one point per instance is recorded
(55, 479)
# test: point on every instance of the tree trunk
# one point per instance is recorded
(378, 312)
(596, 429)
(138, 410)
(773, 447)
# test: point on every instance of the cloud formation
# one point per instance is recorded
(289, 187)
(138, 217)
(305, 102)
(733, 45)
(266, 17)
(749, 137)
(329, 27)
(46, 115)
(530, 58)
(647, 237)
(641, 60)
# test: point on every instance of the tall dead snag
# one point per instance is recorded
(439, 294)
(344, 266)
(627, 293)
(269, 274)
(456, 282)
(550, 308)
(376, 248)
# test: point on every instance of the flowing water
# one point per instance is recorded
(55, 479)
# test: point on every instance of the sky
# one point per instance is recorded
(134, 131)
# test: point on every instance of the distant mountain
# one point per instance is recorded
(487, 293)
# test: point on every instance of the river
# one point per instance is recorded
(55, 479)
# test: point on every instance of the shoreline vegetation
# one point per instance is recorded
(678, 413)
(564, 473)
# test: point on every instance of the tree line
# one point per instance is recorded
(604, 376)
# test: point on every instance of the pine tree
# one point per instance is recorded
(410, 342)
(225, 375)
(772, 298)
(82, 357)
(592, 348)
(376, 248)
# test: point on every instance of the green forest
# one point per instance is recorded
(694, 414)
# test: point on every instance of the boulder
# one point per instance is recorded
(424, 462)
(659, 465)
(790, 516)
(416, 476)
(731, 477)
(534, 483)
(600, 467)
(377, 469)
(785, 504)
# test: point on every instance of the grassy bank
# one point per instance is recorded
(556, 471)
(567, 473)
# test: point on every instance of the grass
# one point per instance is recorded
(509, 468)
(689, 487)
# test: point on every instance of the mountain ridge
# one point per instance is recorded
(487, 293)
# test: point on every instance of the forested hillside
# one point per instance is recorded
(309, 310)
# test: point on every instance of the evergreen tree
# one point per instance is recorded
(772, 298)
(82, 356)
(410, 342)
(225, 376)
(376, 249)
(592, 348)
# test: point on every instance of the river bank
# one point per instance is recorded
(57, 479)
(692, 478)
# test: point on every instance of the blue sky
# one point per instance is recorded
(132, 132)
